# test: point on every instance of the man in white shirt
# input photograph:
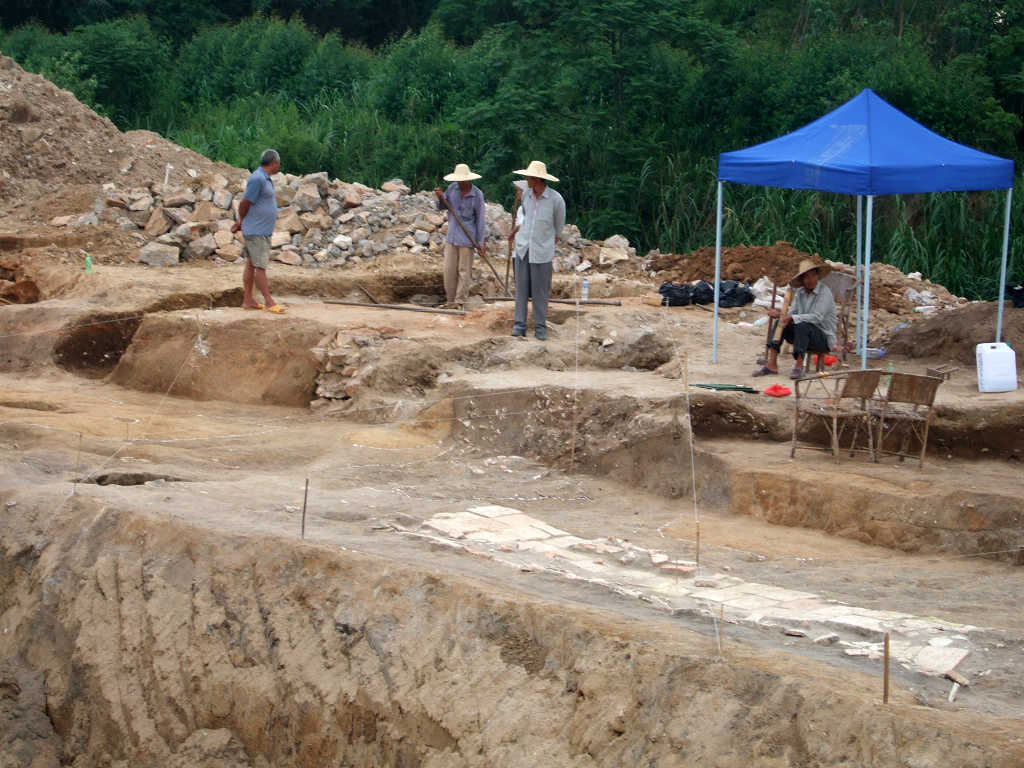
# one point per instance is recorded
(543, 219)
(810, 325)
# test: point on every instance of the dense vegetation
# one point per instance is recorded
(628, 101)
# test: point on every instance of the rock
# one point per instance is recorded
(352, 199)
(223, 237)
(321, 256)
(179, 196)
(615, 241)
(360, 233)
(202, 248)
(344, 242)
(317, 219)
(218, 181)
(289, 221)
(307, 198)
(178, 215)
(313, 235)
(61, 221)
(395, 185)
(365, 249)
(793, 632)
(279, 238)
(436, 219)
(222, 199)
(288, 257)
(142, 204)
(117, 200)
(230, 252)
(87, 220)
(126, 224)
(334, 208)
(172, 239)
(828, 639)
(206, 194)
(421, 237)
(158, 224)
(159, 255)
(206, 211)
(612, 255)
(318, 179)
(285, 195)
(345, 218)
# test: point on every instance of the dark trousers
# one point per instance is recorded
(805, 337)
(533, 281)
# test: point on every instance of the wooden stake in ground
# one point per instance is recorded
(454, 215)
(305, 497)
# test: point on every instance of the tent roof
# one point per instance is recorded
(866, 147)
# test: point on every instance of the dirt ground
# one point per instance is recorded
(215, 547)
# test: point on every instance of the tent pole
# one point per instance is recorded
(867, 286)
(857, 261)
(1002, 270)
(718, 273)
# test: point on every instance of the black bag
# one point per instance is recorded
(734, 294)
(703, 293)
(675, 294)
(1016, 295)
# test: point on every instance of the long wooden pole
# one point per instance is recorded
(511, 238)
(602, 302)
(394, 306)
(504, 286)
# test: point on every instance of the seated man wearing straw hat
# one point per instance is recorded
(810, 325)
(543, 220)
(467, 230)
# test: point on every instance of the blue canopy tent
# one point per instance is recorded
(866, 147)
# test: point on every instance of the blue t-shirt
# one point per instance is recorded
(259, 191)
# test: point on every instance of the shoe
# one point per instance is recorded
(277, 309)
(517, 332)
(540, 335)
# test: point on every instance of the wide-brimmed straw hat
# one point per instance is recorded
(538, 170)
(806, 265)
(462, 173)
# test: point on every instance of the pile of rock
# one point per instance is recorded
(321, 222)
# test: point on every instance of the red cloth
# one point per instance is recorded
(777, 390)
(830, 360)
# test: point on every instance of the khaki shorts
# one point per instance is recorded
(257, 250)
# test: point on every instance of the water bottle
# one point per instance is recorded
(88, 265)
(585, 290)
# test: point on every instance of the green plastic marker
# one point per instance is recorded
(88, 265)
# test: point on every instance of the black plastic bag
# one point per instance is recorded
(675, 294)
(703, 292)
(1016, 295)
(734, 294)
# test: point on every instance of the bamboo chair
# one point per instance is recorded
(907, 408)
(835, 400)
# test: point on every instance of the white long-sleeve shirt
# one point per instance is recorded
(543, 220)
(816, 307)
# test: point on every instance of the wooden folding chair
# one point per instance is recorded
(907, 408)
(843, 287)
(835, 400)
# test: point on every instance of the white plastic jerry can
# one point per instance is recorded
(997, 367)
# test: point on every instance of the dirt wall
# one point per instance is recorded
(166, 645)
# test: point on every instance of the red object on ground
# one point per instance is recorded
(777, 390)
(830, 360)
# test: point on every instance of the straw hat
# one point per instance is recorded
(806, 265)
(538, 170)
(462, 173)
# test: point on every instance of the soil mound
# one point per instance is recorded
(58, 151)
(742, 262)
(954, 334)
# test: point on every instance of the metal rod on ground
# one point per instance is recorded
(885, 673)
(504, 286)
(305, 497)
(395, 306)
(369, 295)
(603, 302)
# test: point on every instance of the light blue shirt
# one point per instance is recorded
(470, 210)
(259, 191)
(543, 219)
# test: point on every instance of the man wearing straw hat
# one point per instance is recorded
(810, 325)
(543, 219)
(466, 201)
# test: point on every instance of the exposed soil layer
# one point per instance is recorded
(954, 334)
(161, 643)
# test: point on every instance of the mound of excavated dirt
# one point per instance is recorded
(57, 151)
(954, 334)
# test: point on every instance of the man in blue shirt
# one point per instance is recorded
(543, 219)
(256, 216)
(467, 201)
